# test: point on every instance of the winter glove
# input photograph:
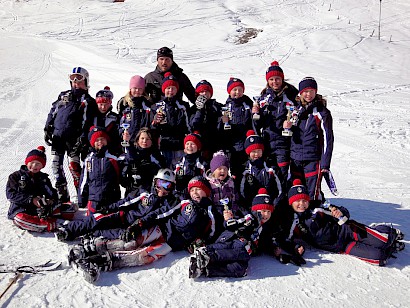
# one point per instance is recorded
(295, 259)
(132, 231)
(195, 245)
(200, 102)
(48, 136)
(80, 145)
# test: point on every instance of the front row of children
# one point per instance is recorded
(146, 226)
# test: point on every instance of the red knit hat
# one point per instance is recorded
(202, 183)
(298, 191)
(274, 70)
(37, 154)
(95, 133)
(169, 80)
(204, 85)
(234, 82)
(253, 142)
(262, 201)
(195, 137)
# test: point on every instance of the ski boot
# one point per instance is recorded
(89, 270)
(202, 258)
(398, 246)
(61, 234)
(194, 271)
(76, 253)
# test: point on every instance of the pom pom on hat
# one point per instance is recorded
(202, 183)
(274, 70)
(262, 201)
(204, 85)
(195, 137)
(218, 160)
(169, 80)
(307, 83)
(234, 82)
(165, 52)
(253, 142)
(298, 191)
(104, 96)
(37, 154)
(95, 133)
(137, 82)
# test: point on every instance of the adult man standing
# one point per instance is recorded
(153, 80)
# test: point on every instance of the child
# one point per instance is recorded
(171, 121)
(134, 110)
(276, 99)
(257, 174)
(191, 164)
(252, 235)
(141, 163)
(99, 184)
(312, 140)
(69, 119)
(33, 200)
(205, 114)
(234, 124)
(108, 119)
(332, 229)
(224, 193)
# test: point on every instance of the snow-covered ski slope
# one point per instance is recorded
(366, 81)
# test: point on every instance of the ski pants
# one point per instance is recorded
(310, 175)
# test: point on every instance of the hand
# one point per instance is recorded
(132, 231)
(255, 109)
(126, 136)
(336, 212)
(287, 124)
(200, 102)
(225, 119)
(228, 215)
(48, 137)
(158, 118)
(36, 201)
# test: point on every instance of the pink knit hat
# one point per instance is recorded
(137, 82)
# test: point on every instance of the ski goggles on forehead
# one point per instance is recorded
(76, 77)
(164, 184)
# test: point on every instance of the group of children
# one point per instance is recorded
(223, 181)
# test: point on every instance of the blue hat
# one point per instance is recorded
(307, 83)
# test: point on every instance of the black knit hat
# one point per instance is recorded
(165, 52)
(37, 154)
(262, 201)
(307, 83)
(298, 191)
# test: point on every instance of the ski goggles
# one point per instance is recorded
(76, 77)
(166, 185)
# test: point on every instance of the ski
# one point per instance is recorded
(330, 181)
(50, 265)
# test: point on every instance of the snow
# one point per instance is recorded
(366, 81)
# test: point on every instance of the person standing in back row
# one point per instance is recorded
(153, 80)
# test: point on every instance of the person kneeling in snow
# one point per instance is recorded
(33, 200)
(330, 228)
(251, 235)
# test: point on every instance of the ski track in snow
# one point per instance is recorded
(365, 81)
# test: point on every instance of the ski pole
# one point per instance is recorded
(17, 276)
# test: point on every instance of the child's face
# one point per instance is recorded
(308, 95)
(205, 93)
(236, 92)
(164, 63)
(300, 205)
(197, 194)
(163, 187)
(170, 91)
(275, 82)
(104, 105)
(255, 154)
(190, 147)
(99, 143)
(136, 92)
(34, 166)
(144, 141)
(265, 215)
(220, 173)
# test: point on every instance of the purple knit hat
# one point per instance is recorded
(218, 160)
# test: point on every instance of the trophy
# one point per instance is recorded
(125, 126)
(328, 205)
(256, 116)
(226, 112)
(225, 203)
(161, 110)
(286, 131)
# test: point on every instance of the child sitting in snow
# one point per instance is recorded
(330, 228)
(252, 235)
(33, 200)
